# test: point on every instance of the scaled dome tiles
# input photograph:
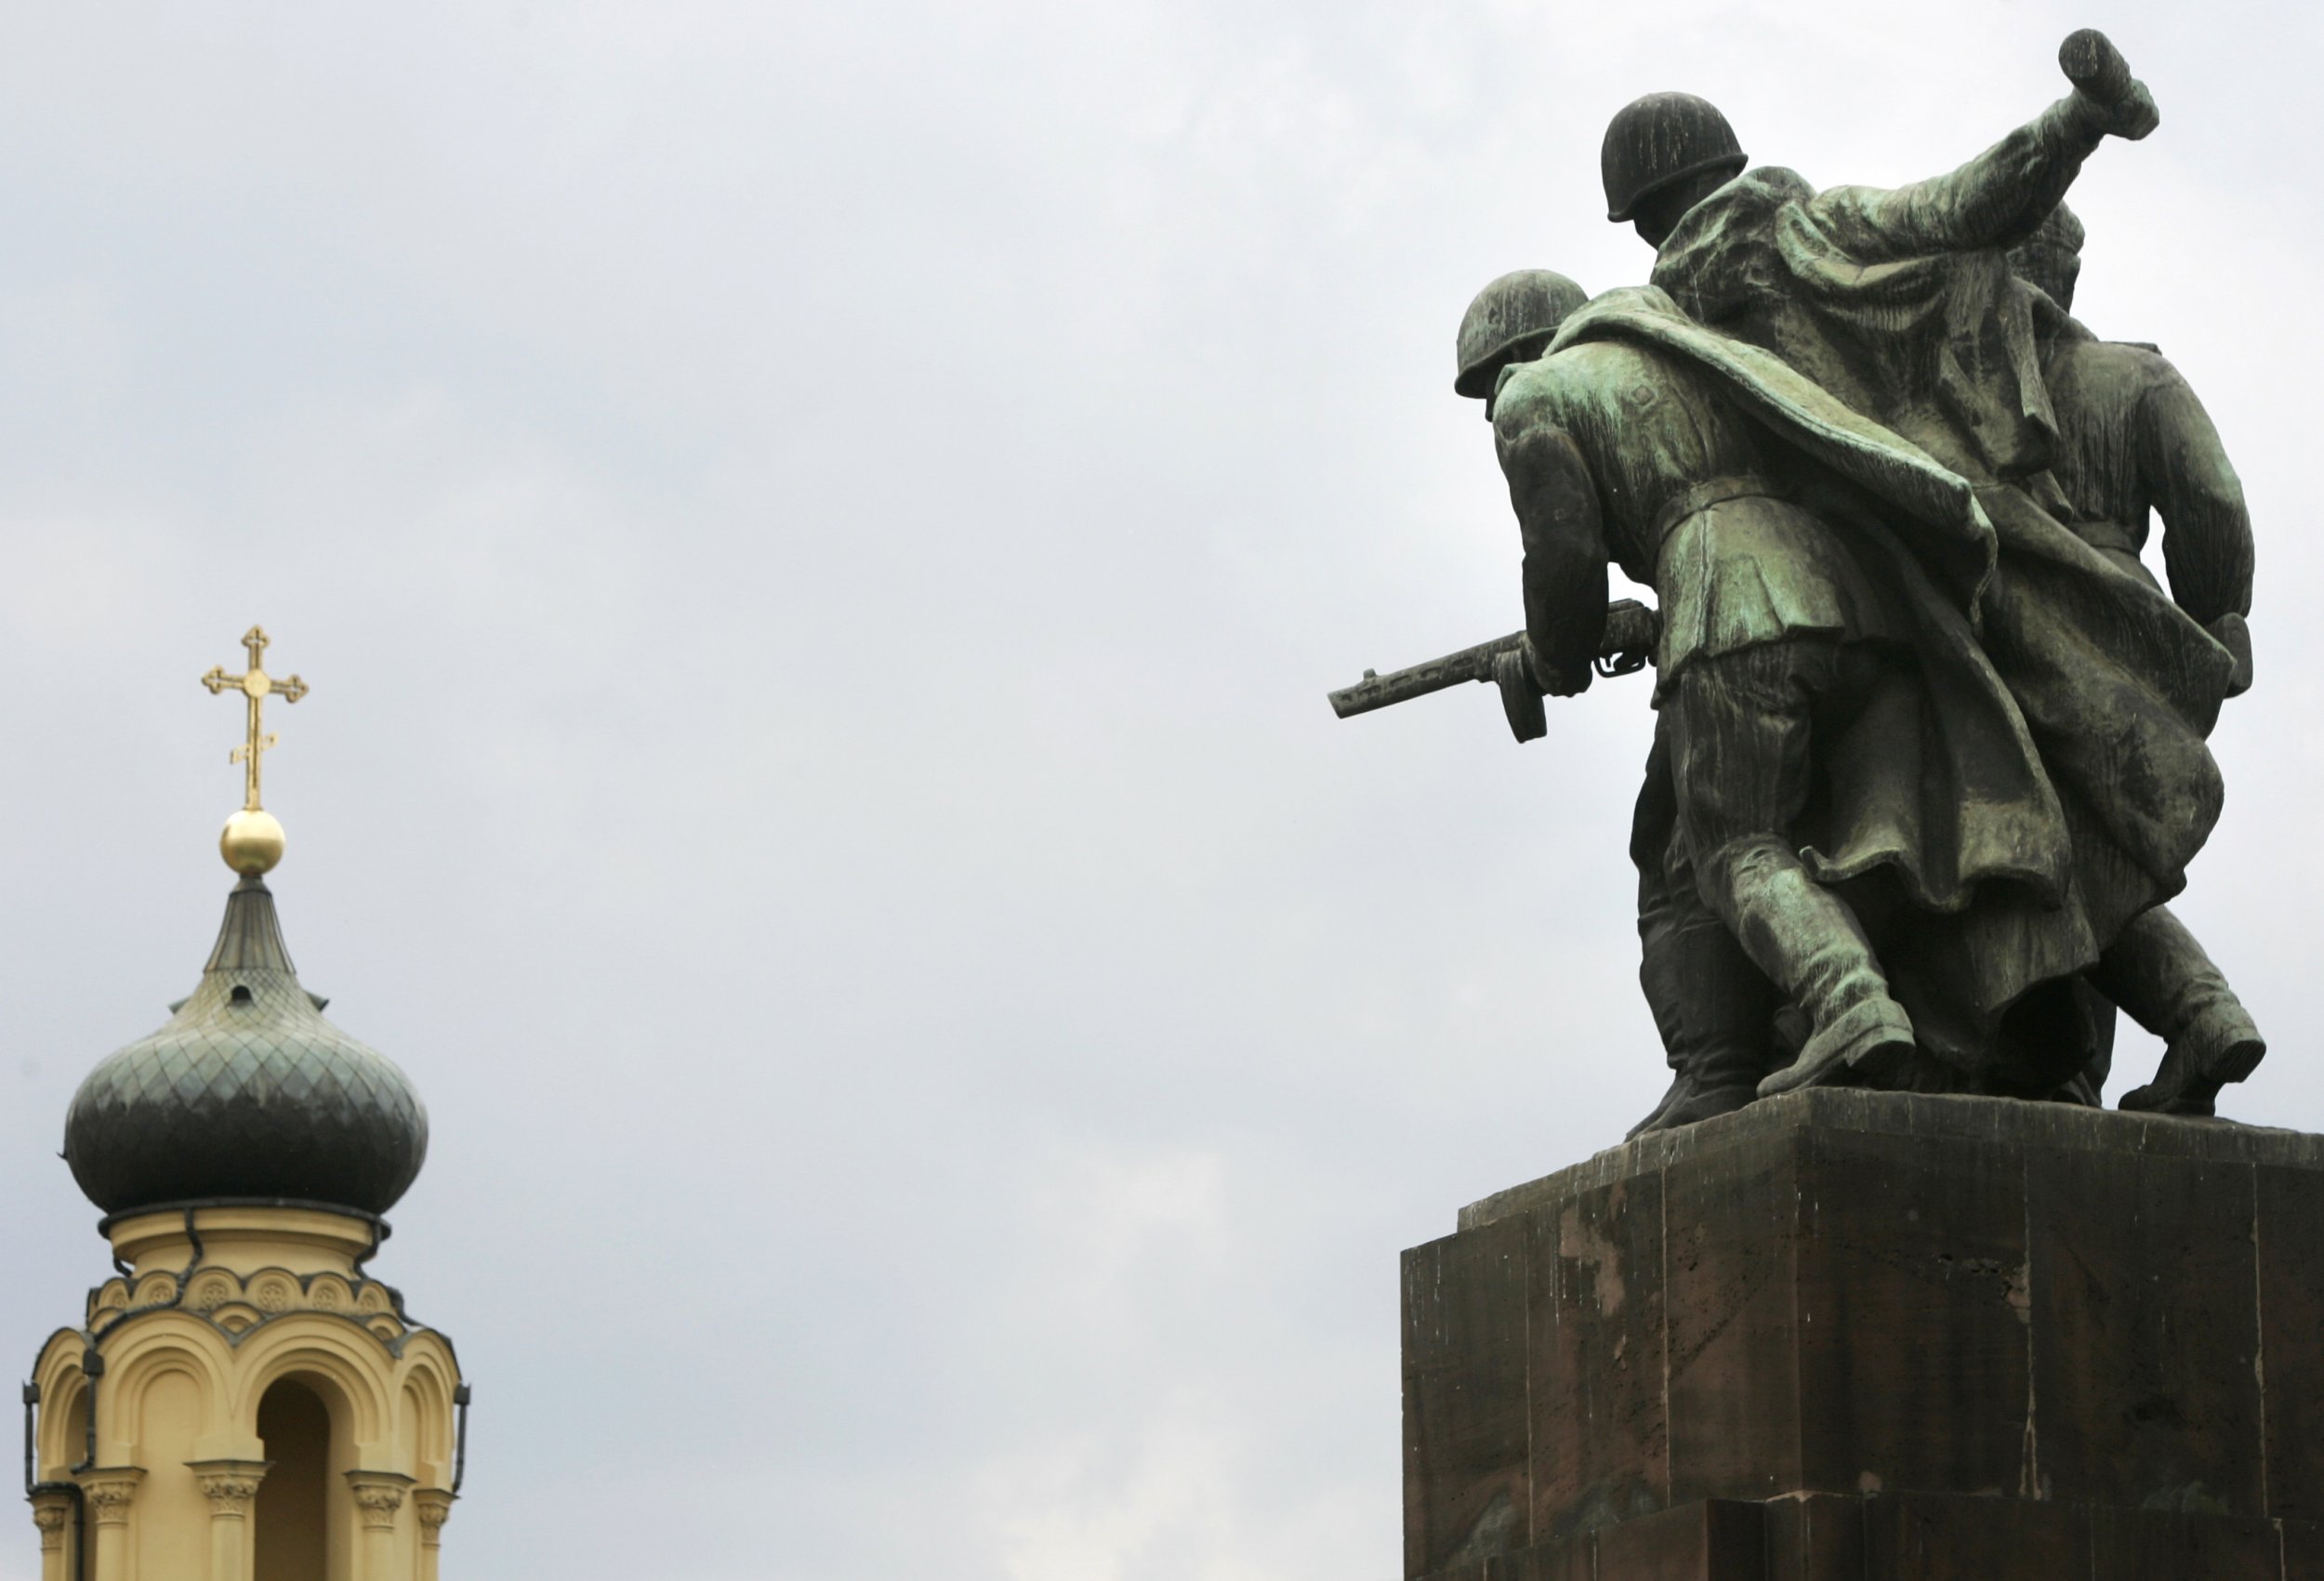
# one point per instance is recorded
(247, 1093)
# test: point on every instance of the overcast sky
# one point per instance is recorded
(819, 535)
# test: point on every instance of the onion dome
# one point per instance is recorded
(247, 1092)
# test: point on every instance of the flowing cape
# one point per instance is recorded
(1858, 289)
(2032, 774)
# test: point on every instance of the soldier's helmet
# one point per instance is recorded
(1662, 139)
(1509, 322)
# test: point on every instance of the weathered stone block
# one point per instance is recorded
(2303, 1550)
(1847, 1335)
(1465, 1452)
(1817, 1538)
(1941, 1537)
(1717, 1540)
(1597, 1422)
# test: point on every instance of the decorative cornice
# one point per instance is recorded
(236, 1304)
(108, 1490)
(434, 1506)
(378, 1494)
(229, 1484)
(51, 1509)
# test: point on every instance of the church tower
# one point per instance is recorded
(243, 1401)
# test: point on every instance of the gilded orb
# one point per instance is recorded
(251, 842)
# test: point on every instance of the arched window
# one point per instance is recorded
(75, 1435)
(293, 1515)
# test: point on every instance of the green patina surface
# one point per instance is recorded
(248, 1092)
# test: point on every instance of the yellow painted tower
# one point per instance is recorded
(243, 1401)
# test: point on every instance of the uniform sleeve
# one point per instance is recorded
(2207, 531)
(1565, 574)
(1996, 200)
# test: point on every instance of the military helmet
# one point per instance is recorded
(1662, 139)
(1509, 322)
(2052, 257)
(2061, 229)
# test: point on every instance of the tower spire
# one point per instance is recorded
(203, 1401)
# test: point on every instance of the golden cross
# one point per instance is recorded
(254, 684)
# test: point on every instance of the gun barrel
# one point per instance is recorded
(1380, 690)
(1630, 630)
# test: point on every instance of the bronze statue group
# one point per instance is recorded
(1929, 749)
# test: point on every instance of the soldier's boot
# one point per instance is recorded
(2158, 973)
(1678, 1089)
(1719, 1010)
(1806, 940)
(1664, 984)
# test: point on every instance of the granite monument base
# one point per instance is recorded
(1846, 1335)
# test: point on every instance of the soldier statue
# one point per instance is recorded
(1713, 1008)
(1928, 757)
(2133, 442)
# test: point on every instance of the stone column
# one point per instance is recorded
(435, 1508)
(108, 1490)
(52, 1513)
(231, 1485)
(378, 1494)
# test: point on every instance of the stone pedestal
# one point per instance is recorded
(1844, 1335)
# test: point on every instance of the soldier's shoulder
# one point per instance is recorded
(2140, 365)
(2119, 359)
(1759, 190)
(1737, 214)
(1592, 364)
(2144, 351)
(1777, 181)
(1570, 378)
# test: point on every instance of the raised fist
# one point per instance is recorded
(2117, 103)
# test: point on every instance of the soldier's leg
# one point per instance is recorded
(1653, 825)
(2158, 973)
(1722, 1007)
(2089, 1084)
(1713, 1008)
(1741, 759)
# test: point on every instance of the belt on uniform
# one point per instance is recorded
(1703, 495)
(2106, 535)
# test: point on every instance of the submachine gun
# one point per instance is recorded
(1630, 631)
